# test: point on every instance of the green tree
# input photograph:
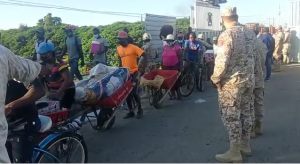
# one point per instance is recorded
(21, 41)
(182, 24)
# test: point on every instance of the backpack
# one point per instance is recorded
(76, 43)
(46, 41)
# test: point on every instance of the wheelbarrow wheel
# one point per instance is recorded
(157, 96)
(103, 117)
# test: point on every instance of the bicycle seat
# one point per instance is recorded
(46, 123)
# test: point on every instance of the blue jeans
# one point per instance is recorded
(268, 64)
(74, 69)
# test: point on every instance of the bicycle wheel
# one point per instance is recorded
(187, 82)
(59, 145)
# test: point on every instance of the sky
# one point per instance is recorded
(248, 11)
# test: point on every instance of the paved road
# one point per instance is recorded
(193, 132)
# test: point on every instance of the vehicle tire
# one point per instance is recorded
(157, 96)
(61, 139)
(185, 80)
(202, 79)
(104, 116)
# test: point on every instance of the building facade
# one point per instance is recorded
(205, 16)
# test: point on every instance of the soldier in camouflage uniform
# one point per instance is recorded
(286, 46)
(277, 54)
(258, 92)
(234, 78)
(152, 54)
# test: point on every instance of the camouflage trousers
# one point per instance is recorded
(257, 104)
(277, 56)
(276, 64)
(286, 53)
(151, 66)
(234, 104)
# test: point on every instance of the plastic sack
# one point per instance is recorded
(156, 82)
(98, 69)
(106, 86)
(80, 94)
(101, 69)
(101, 86)
(82, 83)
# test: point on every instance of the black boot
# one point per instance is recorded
(129, 115)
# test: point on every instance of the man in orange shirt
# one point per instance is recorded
(128, 54)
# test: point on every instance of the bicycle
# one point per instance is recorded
(57, 138)
(189, 78)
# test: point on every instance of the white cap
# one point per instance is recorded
(170, 37)
(200, 36)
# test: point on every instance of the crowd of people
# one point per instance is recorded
(241, 55)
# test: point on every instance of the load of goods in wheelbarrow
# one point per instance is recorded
(105, 89)
(158, 80)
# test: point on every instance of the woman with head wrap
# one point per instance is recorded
(164, 32)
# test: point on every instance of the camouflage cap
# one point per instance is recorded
(227, 12)
(287, 29)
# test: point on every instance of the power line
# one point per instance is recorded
(26, 2)
(41, 5)
(252, 15)
(37, 5)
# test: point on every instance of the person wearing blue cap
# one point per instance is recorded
(21, 69)
(40, 34)
(59, 79)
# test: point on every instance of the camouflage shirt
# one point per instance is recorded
(151, 51)
(234, 64)
(279, 38)
(259, 57)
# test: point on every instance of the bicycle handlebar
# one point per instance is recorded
(191, 62)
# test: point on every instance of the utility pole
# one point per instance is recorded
(270, 21)
(279, 13)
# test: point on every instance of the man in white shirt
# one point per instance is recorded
(40, 34)
(215, 47)
(21, 69)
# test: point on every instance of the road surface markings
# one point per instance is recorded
(200, 101)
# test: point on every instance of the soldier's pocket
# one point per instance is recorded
(226, 100)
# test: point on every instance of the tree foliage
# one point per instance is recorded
(21, 41)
